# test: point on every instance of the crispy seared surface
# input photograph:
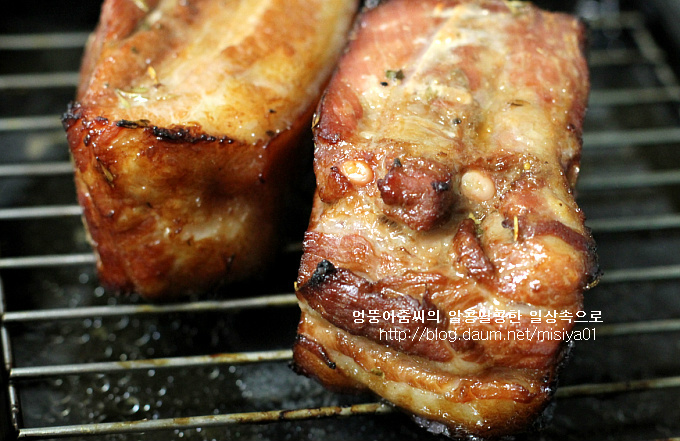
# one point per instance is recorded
(184, 133)
(447, 148)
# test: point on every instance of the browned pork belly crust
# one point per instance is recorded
(184, 133)
(444, 235)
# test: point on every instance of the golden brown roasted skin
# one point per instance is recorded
(444, 228)
(184, 133)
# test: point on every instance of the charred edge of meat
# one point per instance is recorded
(438, 428)
(323, 270)
(74, 113)
(178, 134)
(337, 293)
(133, 124)
(71, 116)
(439, 187)
(434, 427)
(311, 360)
(182, 135)
(593, 271)
(315, 348)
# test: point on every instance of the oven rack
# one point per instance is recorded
(646, 52)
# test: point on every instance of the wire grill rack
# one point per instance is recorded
(80, 363)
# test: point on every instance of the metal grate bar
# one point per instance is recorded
(8, 361)
(36, 372)
(49, 260)
(634, 328)
(40, 212)
(618, 97)
(624, 138)
(620, 57)
(620, 182)
(622, 386)
(605, 225)
(240, 304)
(6, 348)
(629, 224)
(651, 274)
(620, 20)
(55, 40)
(15, 407)
(206, 421)
(39, 169)
(30, 123)
(611, 276)
(39, 80)
(299, 414)
(112, 311)
(650, 50)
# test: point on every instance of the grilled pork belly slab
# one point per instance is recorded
(446, 258)
(184, 133)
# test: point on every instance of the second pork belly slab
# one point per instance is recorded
(185, 129)
(444, 228)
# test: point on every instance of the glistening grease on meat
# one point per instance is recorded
(445, 240)
(184, 133)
